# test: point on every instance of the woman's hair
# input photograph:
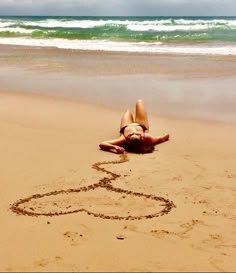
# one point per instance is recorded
(137, 146)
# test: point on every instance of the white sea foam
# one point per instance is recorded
(139, 27)
(51, 23)
(202, 21)
(231, 23)
(155, 47)
(17, 30)
(179, 24)
(6, 24)
(162, 25)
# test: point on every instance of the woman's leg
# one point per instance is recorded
(141, 114)
(126, 119)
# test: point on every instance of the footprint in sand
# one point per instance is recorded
(77, 237)
(186, 228)
(218, 241)
(217, 264)
(230, 175)
(41, 262)
(74, 238)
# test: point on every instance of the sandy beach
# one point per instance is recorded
(56, 106)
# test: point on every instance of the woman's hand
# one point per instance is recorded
(119, 150)
(114, 145)
(165, 137)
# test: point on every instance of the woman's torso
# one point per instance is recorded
(133, 129)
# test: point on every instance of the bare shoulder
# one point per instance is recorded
(147, 138)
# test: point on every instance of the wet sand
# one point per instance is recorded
(177, 86)
(49, 145)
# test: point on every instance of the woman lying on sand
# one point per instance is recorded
(134, 136)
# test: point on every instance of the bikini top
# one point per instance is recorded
(132, 124)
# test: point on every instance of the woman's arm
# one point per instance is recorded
(152, 141)
(114, 145)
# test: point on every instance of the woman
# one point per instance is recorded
(134, 136)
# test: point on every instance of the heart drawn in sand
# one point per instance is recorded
(111, 202)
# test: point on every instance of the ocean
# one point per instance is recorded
(171, 35)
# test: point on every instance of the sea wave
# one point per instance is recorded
(163, 28)
(157, 34)
(5, 30)
(104, 45)
(171, 24)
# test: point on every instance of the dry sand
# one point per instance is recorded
(49, 144)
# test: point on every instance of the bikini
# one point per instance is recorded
(132, 124)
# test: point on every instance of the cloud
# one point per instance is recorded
(117, 7)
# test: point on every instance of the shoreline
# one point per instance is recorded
(212, 48)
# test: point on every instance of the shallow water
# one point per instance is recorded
(176, 35)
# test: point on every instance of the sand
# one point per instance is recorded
(49, 145)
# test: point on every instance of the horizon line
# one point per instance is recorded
(45, 15)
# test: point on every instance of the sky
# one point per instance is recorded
(119, 7)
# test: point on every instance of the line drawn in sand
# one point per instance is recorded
(24, 206)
